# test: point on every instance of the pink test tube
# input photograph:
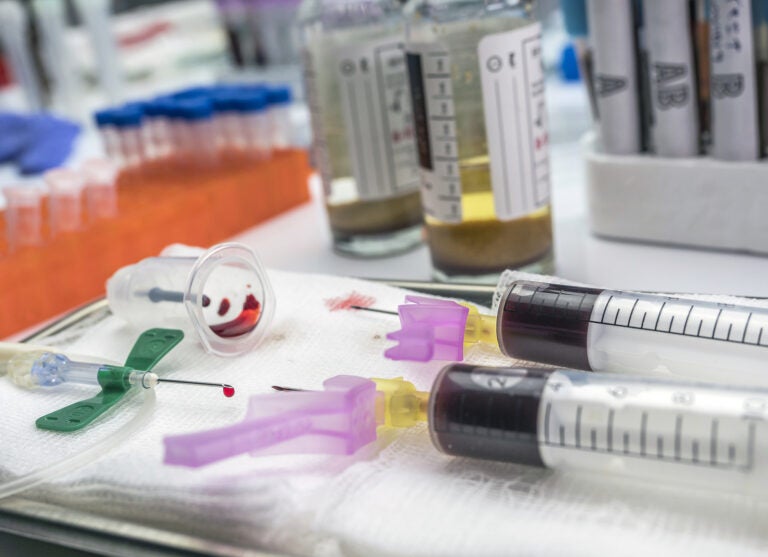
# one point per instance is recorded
(65, 206)
(100, 189)
(23, 216)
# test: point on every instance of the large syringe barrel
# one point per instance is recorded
(649, 429)
(615, 331)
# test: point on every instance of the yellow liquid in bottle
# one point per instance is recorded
(481, 245)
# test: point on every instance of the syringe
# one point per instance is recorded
(594, 330)
(616, 331)
(650, 429)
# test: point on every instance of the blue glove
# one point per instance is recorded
(36, 142)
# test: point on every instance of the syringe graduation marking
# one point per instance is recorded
(666, 311)
(677, 457)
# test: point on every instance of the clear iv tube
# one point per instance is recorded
(86, 457)
(615, 331)
(649, 429)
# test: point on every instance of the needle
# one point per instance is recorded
(286, 389)
(374, 309)
(228, 390)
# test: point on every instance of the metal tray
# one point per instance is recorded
(29, 527)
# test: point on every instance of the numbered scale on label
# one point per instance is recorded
(436, 124)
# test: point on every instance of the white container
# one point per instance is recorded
(699, 202)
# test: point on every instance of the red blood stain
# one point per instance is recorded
(229, 391)
(351, 299)
(224, 306)
(145, 34)
(243, 323)
(206, 301)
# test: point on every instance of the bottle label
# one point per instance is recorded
(429, 68)
(515, 120)
(378, 119)
(319, 152)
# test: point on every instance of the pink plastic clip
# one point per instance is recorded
(338, 420)
(431, 329)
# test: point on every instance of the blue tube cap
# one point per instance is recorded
(127, 117)
(279, 95)
(251, 101)
(194, 109)
(104, 117)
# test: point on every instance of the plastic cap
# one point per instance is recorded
(279, 95)
(338, 420)
(431, 329)
(225, 101)
(203, 92)
(251, 101)
(194, 109)
(104, 117)
(127, 117)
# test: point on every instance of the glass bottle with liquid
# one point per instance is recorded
(364, 141)
(477, 86)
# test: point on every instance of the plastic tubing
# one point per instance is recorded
(83, 458)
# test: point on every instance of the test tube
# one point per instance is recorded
(649, 429)
(229, 136)
(280, 127)
(65, 200)
(254, 122)
(156, 130)
(100, 189)
(198, 137)
(23, 217)
(108, 132)
(130, 145)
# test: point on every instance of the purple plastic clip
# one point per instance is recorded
(338, 420)
(431, 329)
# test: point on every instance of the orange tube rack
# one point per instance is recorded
(157, 205)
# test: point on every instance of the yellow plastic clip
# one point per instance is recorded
(399, 404)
